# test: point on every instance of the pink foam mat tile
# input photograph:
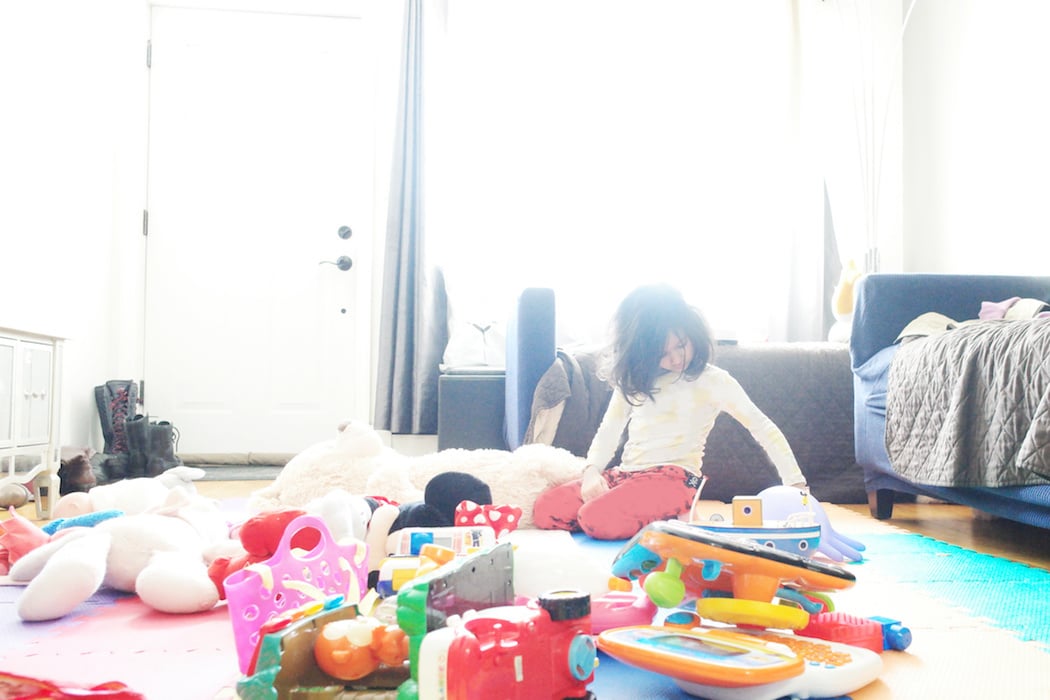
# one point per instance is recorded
(15, 633)
(161, 656)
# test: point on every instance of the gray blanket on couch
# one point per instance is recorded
(971, 406)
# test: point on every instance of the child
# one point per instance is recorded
(667, 396)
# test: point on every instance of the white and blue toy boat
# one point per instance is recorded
(799, 533)
(794, 538)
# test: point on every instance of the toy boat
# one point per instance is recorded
(794, 538)
(799, 533)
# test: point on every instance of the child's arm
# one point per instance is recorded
(740, 406)
(607, 437)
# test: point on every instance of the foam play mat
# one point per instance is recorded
(980, 626)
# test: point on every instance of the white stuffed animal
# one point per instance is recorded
(358, 462)
(163, 555)
(345, 462)
(123, 553)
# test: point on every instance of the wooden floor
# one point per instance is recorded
(960, 526)
(949, 523)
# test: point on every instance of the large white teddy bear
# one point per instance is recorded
(358, 462)
(344, 462)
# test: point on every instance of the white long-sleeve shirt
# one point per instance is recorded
(673, 427)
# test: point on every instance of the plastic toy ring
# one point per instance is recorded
(752, 612)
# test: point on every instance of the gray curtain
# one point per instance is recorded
(413, 327)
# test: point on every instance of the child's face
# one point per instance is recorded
(678, 353)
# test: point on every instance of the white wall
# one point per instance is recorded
(72, 138)
(977, 137)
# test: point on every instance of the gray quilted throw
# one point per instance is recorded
(971, 407)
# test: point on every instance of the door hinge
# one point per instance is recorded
(149, 53)
(145, 222)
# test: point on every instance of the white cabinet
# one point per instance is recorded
(30, 365)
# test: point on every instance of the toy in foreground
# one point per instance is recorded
(458, 628)
(468, 642)
(322, 649)
(734, 581)
(675, 558)
(542, 649)
(291, 578)
(733, 663)
(876, 633)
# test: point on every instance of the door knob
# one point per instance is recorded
(344, 232)
(343, 262)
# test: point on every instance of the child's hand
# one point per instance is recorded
(593, 483)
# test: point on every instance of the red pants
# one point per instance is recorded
(634, 499)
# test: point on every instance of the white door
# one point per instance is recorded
(261, 149)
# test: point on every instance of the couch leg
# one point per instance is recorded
(880, 503)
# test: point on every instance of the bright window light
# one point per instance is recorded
(593, 145)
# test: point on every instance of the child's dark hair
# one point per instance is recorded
(640, 327)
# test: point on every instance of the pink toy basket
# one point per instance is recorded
(290, 579)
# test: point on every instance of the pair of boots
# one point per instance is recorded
(135, 446)
(151, 446)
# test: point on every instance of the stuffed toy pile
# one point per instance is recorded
(161, 540)
(357, 461)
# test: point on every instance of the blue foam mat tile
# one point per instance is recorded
(922, 559)
(615, 679)
(1006, 594)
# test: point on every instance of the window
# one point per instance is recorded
(593, 145)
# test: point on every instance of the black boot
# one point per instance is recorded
(161, 453)
(115, 467)
(138, 446)
(116, 401)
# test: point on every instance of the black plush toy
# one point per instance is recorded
(440, 497)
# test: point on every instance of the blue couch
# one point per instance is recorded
(884, 304)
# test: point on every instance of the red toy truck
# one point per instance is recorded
(541, 650)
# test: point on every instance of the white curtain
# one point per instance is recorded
(853, 68)
(593, 145)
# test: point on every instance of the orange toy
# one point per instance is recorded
(353, 648)
(674, 558)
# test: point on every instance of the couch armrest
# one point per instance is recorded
(531, 350)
